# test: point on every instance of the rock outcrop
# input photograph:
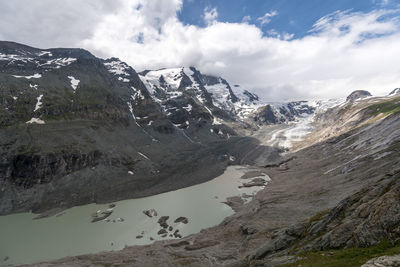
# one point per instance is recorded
(150, 213)
(183, 220)
(162, 221)
(358, 94)
(384, 261)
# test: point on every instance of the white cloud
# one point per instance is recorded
(267, 17)
(246, 19)
(49, 23)
(210, 15)
(283, 36)
(343, 52)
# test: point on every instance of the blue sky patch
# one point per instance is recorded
(290, 16)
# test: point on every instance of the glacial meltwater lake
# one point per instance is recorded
(25, 240)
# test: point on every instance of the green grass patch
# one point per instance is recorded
(347, 257)
(385, 108)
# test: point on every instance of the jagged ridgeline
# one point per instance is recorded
(76, 129)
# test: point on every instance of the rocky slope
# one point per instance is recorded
(342, 191)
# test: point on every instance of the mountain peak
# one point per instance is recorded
(358, 94)
(28, 52)
(13, 47)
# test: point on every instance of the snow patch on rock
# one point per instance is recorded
(38, 103)
(59, 62)
(143, 155)
(44, 53)
(117, 67)
(125, 80)
(34, 76)
(74, 82)
(35, 121)
(34, 86)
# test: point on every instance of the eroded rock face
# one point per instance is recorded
(266, 115)
(27, 170)
(364, 219)
(282, 240)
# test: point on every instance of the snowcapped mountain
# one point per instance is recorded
(186, 94)
(179, 90)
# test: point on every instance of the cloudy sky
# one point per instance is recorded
(281, 49)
